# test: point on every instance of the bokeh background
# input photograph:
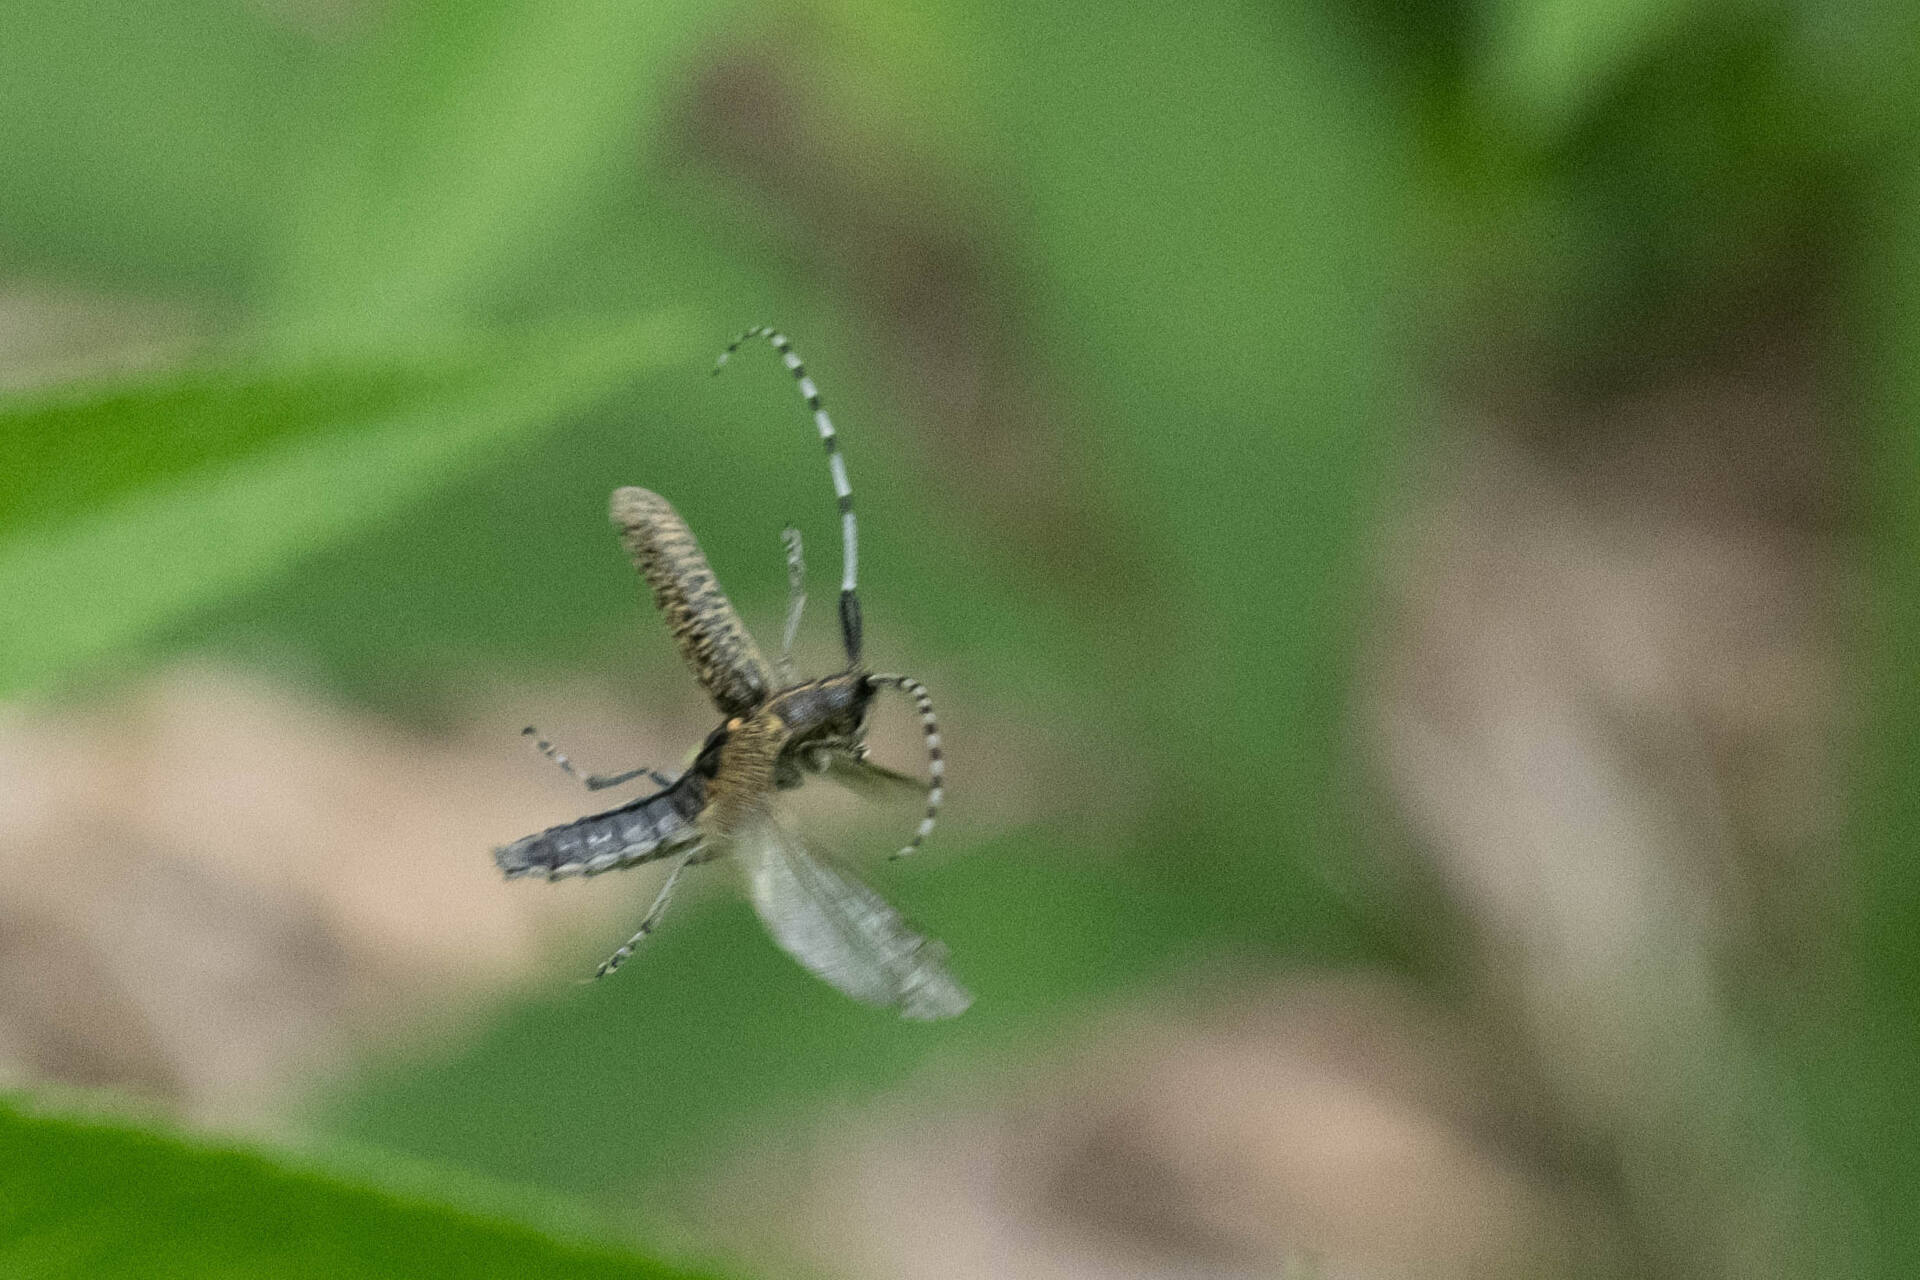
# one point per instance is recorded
(1409, 512)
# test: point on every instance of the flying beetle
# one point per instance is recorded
(774, 733)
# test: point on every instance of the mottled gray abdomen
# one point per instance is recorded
(712, 639)
(651, 827)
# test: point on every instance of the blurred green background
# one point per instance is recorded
(326, 326)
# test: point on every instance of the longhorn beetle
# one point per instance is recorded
(774, 732)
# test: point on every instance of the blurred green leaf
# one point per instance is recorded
(1863, 1051)
(100, 1199)
(148, 143)
(1544, 62)
(1216, 230)
(1866, 55)
(150, 500)
(480, 129)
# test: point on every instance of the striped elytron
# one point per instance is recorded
(775, 732)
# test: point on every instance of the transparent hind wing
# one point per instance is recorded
(841, 931)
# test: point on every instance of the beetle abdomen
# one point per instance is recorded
(651, 827)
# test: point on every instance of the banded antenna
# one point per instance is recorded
(842, 491)
(936, 758)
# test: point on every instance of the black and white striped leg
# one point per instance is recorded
(796, 601)
(936, 760)
(592, 781)
(648, 923)
(842, 491)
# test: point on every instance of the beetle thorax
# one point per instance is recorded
(829, 710)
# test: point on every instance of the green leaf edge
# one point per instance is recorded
(400, 1196)
(94, 556)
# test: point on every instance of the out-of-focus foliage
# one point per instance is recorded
(1863, 1057)
(465, 134)
(158, 139)
(171, 493)
(87, 1197)
(432, 242)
